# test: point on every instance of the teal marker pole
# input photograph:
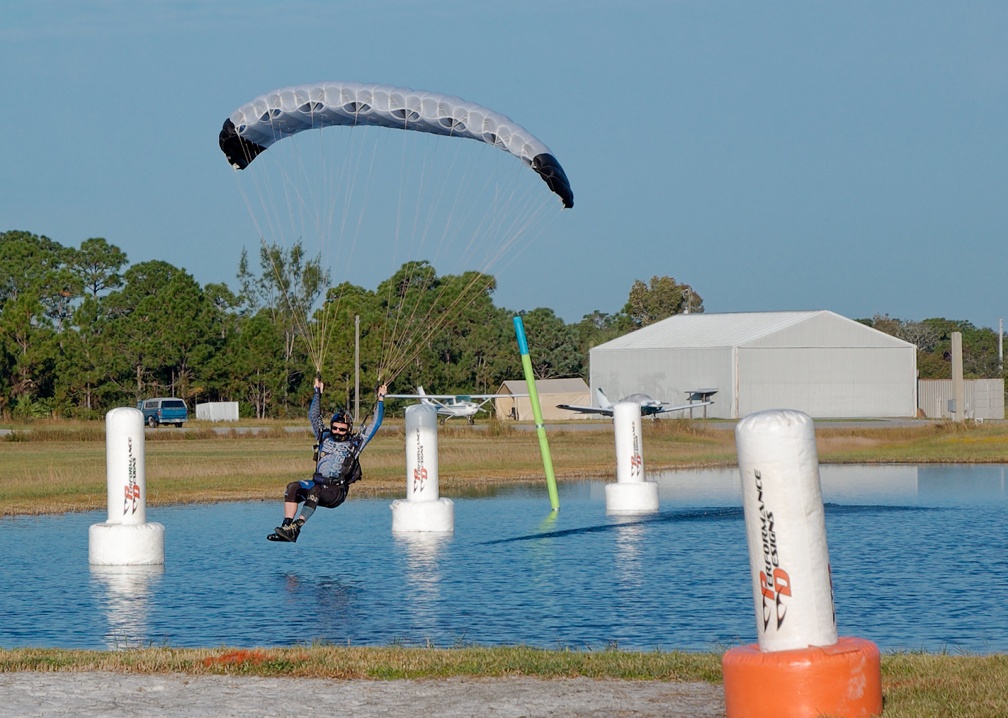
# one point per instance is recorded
(537, 413)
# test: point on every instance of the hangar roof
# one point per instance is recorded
(820, 328)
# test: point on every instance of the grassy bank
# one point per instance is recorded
(51, 468)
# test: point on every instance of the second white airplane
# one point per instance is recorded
(452, 406)
(648, 406)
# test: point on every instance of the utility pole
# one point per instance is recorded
(958, 387)
(356, 394)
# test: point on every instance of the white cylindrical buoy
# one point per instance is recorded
(423, 509)
(785, 530)
(799, 667)
(631, 494)
(421, 453)
(629, 448)
(125, 467)
(126, 538)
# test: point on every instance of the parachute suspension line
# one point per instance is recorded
(300, 215)
(303, 213)
(351, 184)
(410, 326)
(481, 280)
(421, 231)
(402, 325)
(410, 352)
(404, 316)
(286, 197)
(390, 328)
(330, 179)
(267, 199)
(324, 195)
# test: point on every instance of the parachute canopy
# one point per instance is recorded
(253, 127)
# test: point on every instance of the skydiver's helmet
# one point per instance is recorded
(341, 424)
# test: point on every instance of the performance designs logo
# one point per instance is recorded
(775, 583)
(636, 460)
(132, 489)
(420, 472)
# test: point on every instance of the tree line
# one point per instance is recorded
(82, 331)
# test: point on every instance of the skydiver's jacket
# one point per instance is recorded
(336, 457)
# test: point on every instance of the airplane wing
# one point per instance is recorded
(645, 410)
(459, 397)
(437, 400)
(679, 407)
(482, 399)
(586, 409)
(420, 396)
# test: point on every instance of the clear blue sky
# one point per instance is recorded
(848, 156)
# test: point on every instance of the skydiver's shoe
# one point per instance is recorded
(277, 537)
(289, 532)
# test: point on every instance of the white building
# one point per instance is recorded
(817, 361)
(551, 392)
(217, 411)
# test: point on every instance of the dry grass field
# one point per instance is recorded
(54, 467)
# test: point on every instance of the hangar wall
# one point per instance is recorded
(818, 362)
(828, 382)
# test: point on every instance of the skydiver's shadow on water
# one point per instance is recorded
(712, 514)
(833, 508)
(729, 513)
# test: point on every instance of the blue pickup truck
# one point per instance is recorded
(163, 410)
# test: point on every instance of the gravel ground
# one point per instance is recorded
(178, 696)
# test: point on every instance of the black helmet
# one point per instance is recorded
(342, 416)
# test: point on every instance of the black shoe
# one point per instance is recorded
(289, 532)
(277, 537)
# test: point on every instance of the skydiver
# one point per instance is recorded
(336, 465)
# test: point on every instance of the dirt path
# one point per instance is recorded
(177, 696)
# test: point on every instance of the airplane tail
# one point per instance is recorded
(603, 402)
(423, 397)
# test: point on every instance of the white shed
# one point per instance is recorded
(816, 361)
(551, 392)
(217, 411)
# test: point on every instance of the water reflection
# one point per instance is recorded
(869, 484)
(127, 602)
(423, 576)
(630, 571)
(943, 484)
(545, 565)
(972, 484)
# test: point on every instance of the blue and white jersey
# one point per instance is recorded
(333, 453)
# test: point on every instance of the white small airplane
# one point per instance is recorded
(648, 406)
(451, 406)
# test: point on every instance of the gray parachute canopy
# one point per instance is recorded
(253, 127)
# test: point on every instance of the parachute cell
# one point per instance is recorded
(253, 127)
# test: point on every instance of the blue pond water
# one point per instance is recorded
(919, 558)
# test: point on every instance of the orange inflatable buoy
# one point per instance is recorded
(844, 679)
